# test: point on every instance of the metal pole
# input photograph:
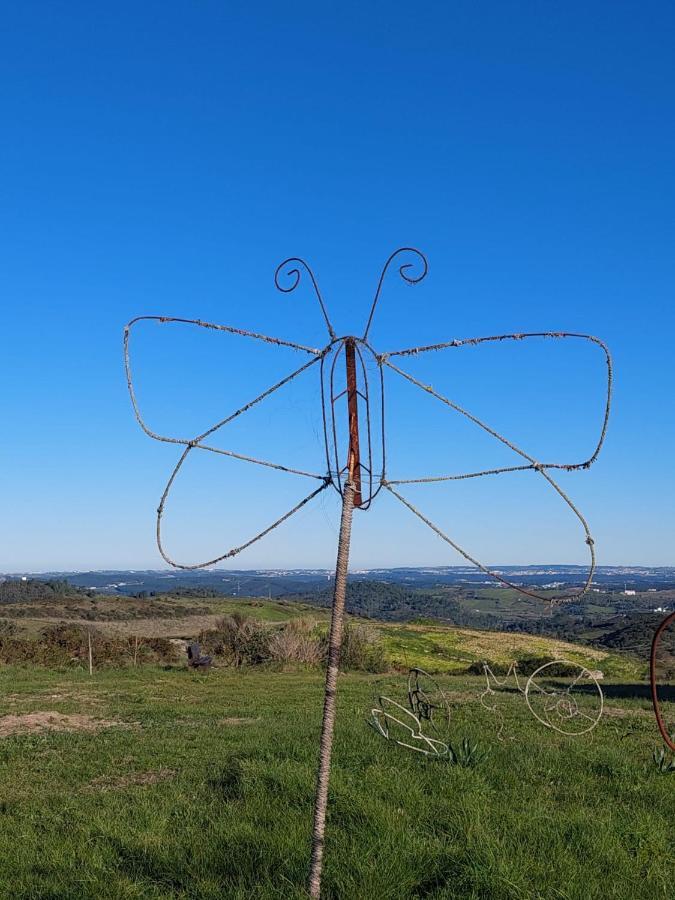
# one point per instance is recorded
(330, 695)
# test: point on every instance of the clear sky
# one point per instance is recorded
(163, 158)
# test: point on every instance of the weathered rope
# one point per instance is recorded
(330, 695)
(533, 463)
(235, 550)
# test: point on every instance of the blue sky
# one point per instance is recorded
(164, 158)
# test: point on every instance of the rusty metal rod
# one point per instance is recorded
(354, 461)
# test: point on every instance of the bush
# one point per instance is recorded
(361, 650)
(7, 628)
(240, 640)
(526, 665)
(297, 642)
(67, 644)
(243, 641)
(529, 664)
(477, 667)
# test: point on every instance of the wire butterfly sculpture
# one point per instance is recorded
(356, 466)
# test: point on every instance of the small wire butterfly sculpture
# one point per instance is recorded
(365, 452)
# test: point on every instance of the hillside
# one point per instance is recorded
(436, 646)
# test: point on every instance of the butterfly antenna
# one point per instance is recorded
(294, 275)
(403, 272)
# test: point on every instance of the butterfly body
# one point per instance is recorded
(348, 430)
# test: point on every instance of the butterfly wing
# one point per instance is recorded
(526, 460)
(204, 440)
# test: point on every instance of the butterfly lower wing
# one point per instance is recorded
(448, 535)
(233, 551)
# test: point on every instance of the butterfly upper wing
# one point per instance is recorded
(525, 459)
(203, 439)
(394, 361)
(314, 357)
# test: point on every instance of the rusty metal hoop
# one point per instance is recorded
(670, 743)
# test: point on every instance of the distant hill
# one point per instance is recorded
(277, 582)
(28, 590)
(393, 603)
(608, 618)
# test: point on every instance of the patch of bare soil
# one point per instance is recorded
(30, 723)
(83, 698)
(131, 779)
(236, 720)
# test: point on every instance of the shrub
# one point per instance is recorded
(361, 650)
(67, 644)
(477, 667)
(7, 628)
(297, 642)
(240, 640)
(529, 664)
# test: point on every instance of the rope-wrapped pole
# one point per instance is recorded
(330, 694)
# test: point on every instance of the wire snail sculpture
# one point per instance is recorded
(562, 707)
(356, 464)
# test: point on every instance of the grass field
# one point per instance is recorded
(200, 786)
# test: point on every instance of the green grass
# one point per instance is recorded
(543, 817)
(441, 649)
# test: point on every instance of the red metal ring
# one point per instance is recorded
(652, 678)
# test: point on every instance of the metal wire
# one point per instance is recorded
(560, 706)
(490, 679)
(427, 704)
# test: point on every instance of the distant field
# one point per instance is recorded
(200, 786)
(437, 648)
